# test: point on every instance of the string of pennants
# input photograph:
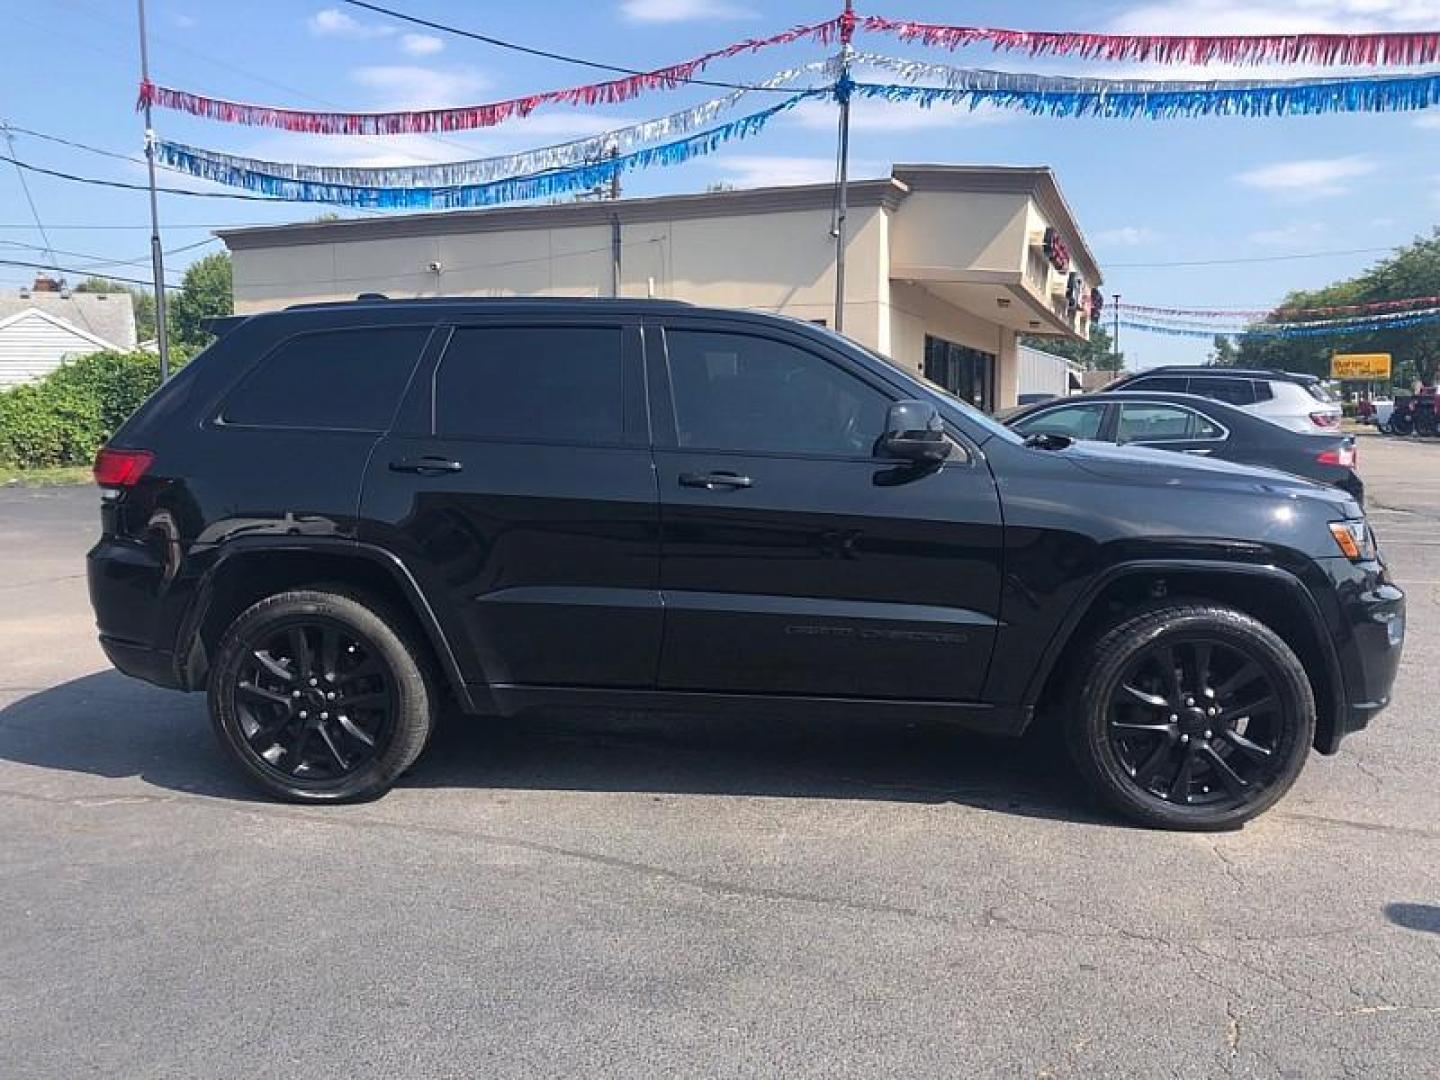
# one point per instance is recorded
(682, 136)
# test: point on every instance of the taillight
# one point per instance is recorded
(121, 468)
(1323, 419)
(1344, 456)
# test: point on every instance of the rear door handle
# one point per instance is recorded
(426, 466)
(715, 481)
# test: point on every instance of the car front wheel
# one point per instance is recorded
(320, 696)
(1191, 717)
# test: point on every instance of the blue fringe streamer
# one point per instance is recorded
(1136, 98)
(201, 163)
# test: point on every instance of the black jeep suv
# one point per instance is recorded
(341, 514)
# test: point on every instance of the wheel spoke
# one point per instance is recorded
(329, 651)
(1228, 776)
(355, 731)
(1202, 667)
(334, 750)
(304, 662)
(1180, 786)
(1166, 659)
(1153, 701)
(260, 694)
(297, 752)
(272, 666)
(1255, 708)
(1247, 674)
(359, 671)
(1148, 769)
(1244, 745)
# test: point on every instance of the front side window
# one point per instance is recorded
(1075, 421)
(1164, 423)
(545, 384)
(334, 379)
(751, 394)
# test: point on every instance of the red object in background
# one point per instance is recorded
(121, 468)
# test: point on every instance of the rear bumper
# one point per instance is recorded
(1369, 634)
(137, 609)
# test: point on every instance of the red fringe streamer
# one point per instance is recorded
(466, 117)
(1328, 49)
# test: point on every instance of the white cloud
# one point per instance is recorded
(421, 44)
(763, 170)
(1125, 236)
(1300, 233)
(682, 10)
(1276, 16)
(406, 86)
(185, 21)
(1430, 121)
(880, 116)
(1316, 178)
(332, 22)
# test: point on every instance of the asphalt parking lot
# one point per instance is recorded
(736, 897)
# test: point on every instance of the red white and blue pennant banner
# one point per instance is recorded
(465, 117)
(1369, 50)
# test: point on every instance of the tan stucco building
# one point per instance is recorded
(945, 265)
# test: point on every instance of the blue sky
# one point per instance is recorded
(1146, 193)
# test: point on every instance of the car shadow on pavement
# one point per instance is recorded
(1423, 917)
(110, 726)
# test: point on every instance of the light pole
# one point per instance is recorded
(1115, 342)
(157, 255)
(842, 93)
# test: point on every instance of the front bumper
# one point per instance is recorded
(1367, 623)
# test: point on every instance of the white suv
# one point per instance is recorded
(1297, 402)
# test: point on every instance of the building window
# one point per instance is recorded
(967, 373)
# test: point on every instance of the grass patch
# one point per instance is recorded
(46, 476)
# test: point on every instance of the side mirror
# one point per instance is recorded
(914, 432)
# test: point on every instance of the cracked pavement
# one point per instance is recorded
(733, 897)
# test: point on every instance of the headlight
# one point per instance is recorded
(1354, 539)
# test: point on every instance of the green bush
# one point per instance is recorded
(63, 418)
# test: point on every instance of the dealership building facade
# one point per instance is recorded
(945, 266)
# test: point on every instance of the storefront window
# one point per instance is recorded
(967, 373)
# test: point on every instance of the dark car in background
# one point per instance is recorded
(1197, 426)
(341, 516)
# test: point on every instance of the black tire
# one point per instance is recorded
(1425, 424)
(364, 668)
(1130, 720)
(1401, 425)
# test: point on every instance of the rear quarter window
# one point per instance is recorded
(347, 380)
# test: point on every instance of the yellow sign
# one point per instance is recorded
(1360, 366)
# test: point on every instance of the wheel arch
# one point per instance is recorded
(1270, 594)
(247, 571)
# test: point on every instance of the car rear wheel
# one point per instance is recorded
(320, 696)
(1191, 717)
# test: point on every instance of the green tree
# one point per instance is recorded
(1223, 352)
(205, 292)
(143, 300)
(1097, 354)
(1412, 271)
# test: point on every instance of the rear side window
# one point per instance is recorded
(1164, 423)
(1320, 392)
(544, 384)
(1234, 391)
(1170, 384)
(336, 379)
(1262, 390)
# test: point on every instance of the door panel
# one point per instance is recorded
(545, 550)
(828, 574)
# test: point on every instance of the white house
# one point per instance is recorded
(41, 327)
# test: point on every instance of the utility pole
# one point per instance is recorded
(842, 95)
(157, 255)
(1115, 341)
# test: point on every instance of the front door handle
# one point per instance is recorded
(429, 465)
(715, 481)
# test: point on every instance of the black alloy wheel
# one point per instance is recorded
(322, 696)
(1192, 717)
(314, 701)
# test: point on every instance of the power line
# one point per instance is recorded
(97, 182)
(7, 127)
(1254, 259)
(74, 270)
(30, 199)
(501, 43)
(99, 261)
